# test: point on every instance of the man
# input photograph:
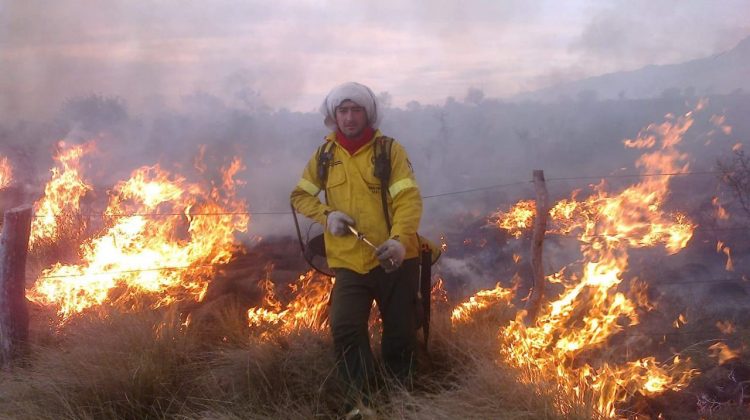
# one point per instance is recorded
(389, 274)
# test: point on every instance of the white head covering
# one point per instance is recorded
(355, 92)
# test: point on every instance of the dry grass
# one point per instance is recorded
(149, 365)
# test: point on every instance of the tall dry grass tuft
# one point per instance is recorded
(112, 365)
(155, 364)
(464, 378)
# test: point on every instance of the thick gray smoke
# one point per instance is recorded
(465, 147)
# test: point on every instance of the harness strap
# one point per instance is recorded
(383, 172)
(325, 157)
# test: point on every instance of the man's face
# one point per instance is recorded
(351, 118)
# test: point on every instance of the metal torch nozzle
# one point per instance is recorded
(361, 237)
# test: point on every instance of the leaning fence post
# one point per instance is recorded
(14, 314)
(534, 302)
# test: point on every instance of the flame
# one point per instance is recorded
(680, 321)
(6, 172)
(481, 300)
(720, 122)
(722, 248)
(438, 294)
(164, 238)
(516, 220)
(721, 212)
(737, 147)
(726, 327)
(723, 353)
(307, 309)
(443, 244)
(62, 194)
(591, 309)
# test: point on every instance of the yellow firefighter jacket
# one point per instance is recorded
(353, 189)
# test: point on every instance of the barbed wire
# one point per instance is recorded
(252, 213)
(428, 196)
(614, 176)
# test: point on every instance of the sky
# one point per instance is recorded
(288, 54)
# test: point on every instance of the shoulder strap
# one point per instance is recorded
(382, 171)
(325, 156)
(382, 168)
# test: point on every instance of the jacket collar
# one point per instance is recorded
(332, 137)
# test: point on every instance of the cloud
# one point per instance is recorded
(631, 34)
(289, 53)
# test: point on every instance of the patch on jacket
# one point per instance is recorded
(374, 188)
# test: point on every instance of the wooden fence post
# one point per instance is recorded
(14, 314)
(534, 302)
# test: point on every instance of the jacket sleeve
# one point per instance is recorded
(403, 189)
(304, 197)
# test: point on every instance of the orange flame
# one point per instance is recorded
(519, 218)
(723, 353)
(722, 248)
(680, 321)
(443, 244)
(165, 238)
(308, 308)
(726, 327)
(590, 310)
(720, 122)
(721, 212)
(438, 294)
(481, 300)
(62, 194)
(6, 172)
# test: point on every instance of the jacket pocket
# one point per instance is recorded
(336, 175)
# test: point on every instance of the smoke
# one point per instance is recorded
(287, 54)
(154, 82)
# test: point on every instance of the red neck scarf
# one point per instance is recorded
(352, 145)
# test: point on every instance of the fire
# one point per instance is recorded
(721, 247)
(720, 122)
(721, 352)
(307, 309)
(483, 299)
(575, 326)
(519, 218)
(680, 321)
(438, 294)
(726, 327)
(164, 238)
(721, 212)
(6, 172)
(62, 194)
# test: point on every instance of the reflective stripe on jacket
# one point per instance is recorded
(353, 189)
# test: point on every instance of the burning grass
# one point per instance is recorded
(149, 364)
(6, 172)
(116, 362)
(133, 335)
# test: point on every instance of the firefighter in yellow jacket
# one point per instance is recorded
(389, 275)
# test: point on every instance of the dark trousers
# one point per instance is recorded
(351, 301)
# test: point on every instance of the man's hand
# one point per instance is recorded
(390, 254)
(337, 223)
